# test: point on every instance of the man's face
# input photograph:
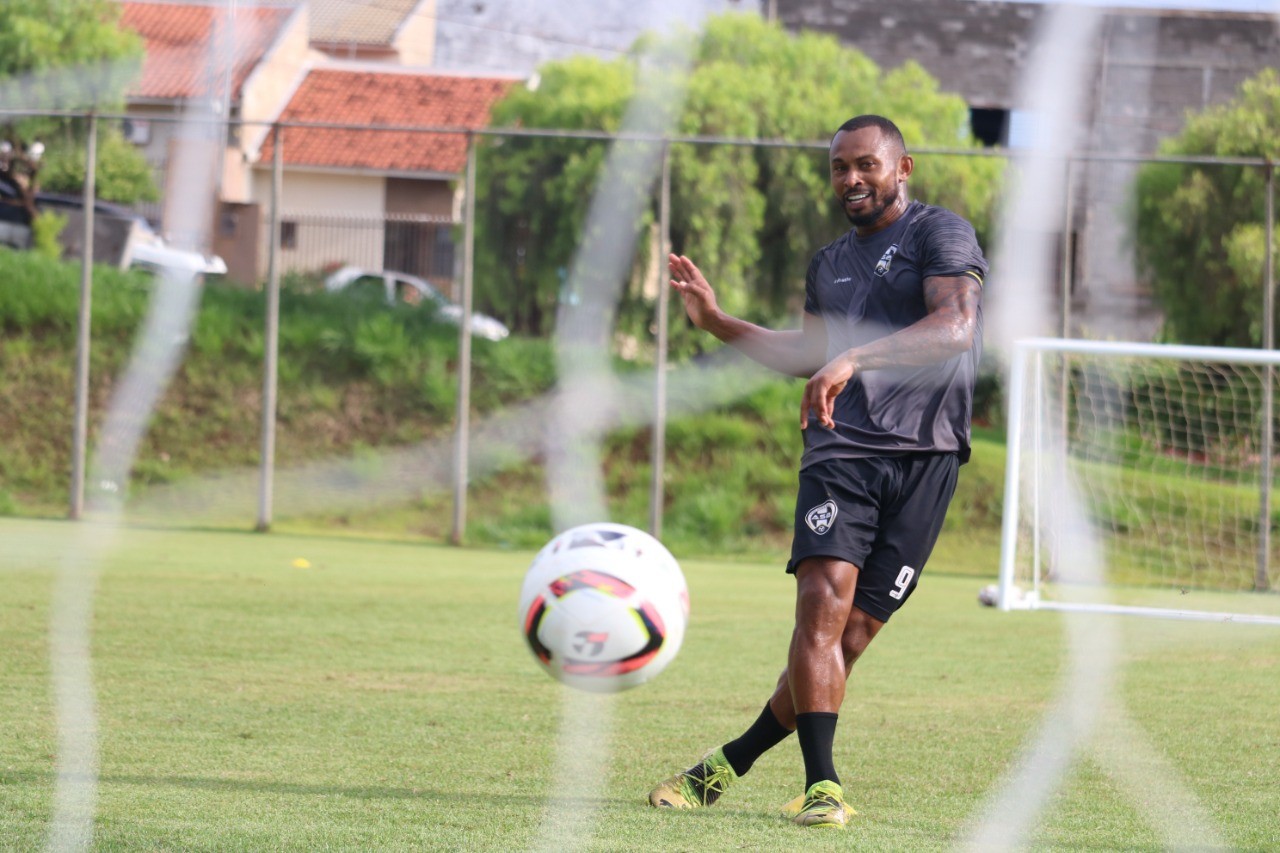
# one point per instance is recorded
(868, 173)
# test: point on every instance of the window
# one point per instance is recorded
(136, 130)
(994, 126)
(990, 126)
(288, 234)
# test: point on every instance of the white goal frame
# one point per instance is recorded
(1027, 357)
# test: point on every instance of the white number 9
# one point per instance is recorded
(903, 581)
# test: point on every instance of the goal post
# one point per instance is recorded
(1139, 480)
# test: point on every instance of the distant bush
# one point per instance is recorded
(46, 228)
(351, 373)
(38, 292)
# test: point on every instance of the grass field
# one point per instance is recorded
(382, 699)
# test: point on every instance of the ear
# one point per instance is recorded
(906, 165)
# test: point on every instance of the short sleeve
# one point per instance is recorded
(948, 246)
(811, 305)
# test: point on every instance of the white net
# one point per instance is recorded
(1166, 449)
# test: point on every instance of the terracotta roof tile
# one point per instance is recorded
(364, 98)
(178, 35)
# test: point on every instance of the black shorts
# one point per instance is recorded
(883, 514)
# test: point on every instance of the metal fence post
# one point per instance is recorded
(659, 450)
(80, 429)
(1261, 580)
(271, 341)
(1068, 261)
(461, 448)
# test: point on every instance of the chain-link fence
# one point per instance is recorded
(750, 212)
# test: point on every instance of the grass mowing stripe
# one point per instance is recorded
(383, 698)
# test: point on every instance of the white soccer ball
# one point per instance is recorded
(603, 607)
(989, 595)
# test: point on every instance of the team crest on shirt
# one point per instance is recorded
(821, 517)
(886, 259)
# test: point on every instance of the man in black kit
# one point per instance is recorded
(891, 339)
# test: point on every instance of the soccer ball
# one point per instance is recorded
(603, 607)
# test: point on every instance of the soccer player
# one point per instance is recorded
(890, 343)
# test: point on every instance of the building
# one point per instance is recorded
(516, 36)
(193, 55)
(376, 199)
(380, 199)
(396, 31)
(1147, 69)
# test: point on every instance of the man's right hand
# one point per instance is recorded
(699, 298)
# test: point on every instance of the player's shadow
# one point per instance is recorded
(744, 815)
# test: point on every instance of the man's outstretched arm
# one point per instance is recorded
(795, 352)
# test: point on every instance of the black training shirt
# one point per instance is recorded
(864, 288)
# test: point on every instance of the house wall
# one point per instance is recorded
(416, 39)
(161, 127)
(427, 197)
(334, 218)
(261, 96)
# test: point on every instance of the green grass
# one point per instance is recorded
(382, 699)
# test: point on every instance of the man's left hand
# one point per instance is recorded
(820, 392)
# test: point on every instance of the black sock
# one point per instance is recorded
(765, 733)
(817, 733)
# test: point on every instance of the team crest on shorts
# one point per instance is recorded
(821, 517)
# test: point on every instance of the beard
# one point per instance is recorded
(877, 209)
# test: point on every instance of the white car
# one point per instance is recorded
(150, 251)
(401, 287)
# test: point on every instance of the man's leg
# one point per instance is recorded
(829, 637)
(776, 721)
(816, 665)
(860, 629)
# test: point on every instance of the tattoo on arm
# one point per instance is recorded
(947, 330)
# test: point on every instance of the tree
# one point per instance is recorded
(39, 39)
(1200, 231)
(750, 215)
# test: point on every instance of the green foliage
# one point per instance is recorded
(350, 372)
(36, 35)
(1200, 228)
(41, 36)
(46, 228)
(121, 175)
(750, 216)
(40, 296)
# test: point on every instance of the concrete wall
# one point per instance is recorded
(416, 40)
(1168, 61)
(975, 48)
(264, 93)
(336, 218)
(1149, 68)
(323, 192)
(516, 36)
(427, 197)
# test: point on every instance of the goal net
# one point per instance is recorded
(1152, 459)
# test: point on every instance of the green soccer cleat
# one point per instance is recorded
(791, 809)
(686, 791)
(822, 805)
